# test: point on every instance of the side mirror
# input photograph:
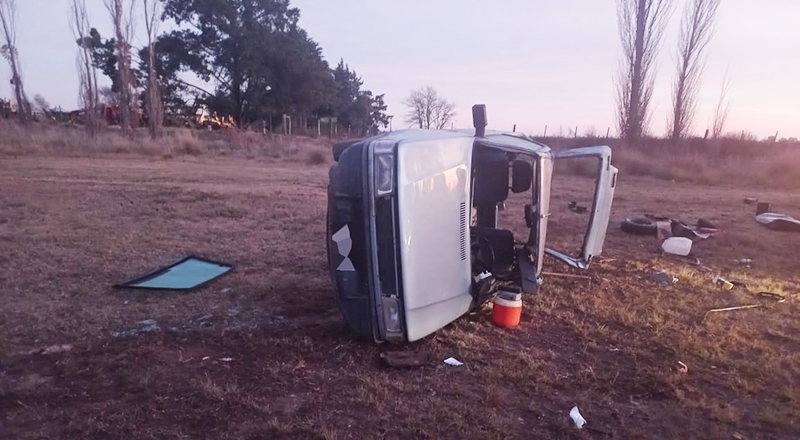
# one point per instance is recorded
(479, 119)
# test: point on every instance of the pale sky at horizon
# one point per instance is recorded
(533, 63)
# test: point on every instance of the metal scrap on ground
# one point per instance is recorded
(779, 222)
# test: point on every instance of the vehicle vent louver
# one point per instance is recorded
(463, 231)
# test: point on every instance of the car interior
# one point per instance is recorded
(494, 251)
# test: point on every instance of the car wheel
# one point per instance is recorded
(639, 226)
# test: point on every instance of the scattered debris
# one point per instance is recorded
(663, 230)
(146, 326)
(779, 222)
(677, 246)
(225, 359)
(575, 207)
(763, 207)
(737, 436)
(745, 261)
(639, 226)
(683, 368)
(723, 283)
(703, 229)
(53, 349)
(577, 418)
(750, 200)
(189, 273)
(406, 359)
(664, 278)
(205, 358)
(225, 290)
(705, 224)
(204, 321)
(453, 361)
(727, 309)
(665, 227)
(776, 296)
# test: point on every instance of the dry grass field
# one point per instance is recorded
(262, 352)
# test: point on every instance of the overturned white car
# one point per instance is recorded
(413, 234)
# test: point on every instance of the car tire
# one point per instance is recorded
(639, 226)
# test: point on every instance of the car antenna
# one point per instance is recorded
(479, 119)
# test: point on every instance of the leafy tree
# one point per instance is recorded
(103, 55)
(261, 60)
(176, 93)
(354, 107)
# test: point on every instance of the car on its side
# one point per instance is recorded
(413, 235)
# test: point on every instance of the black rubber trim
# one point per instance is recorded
(338, 147)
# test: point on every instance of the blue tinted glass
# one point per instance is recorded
(185, 275)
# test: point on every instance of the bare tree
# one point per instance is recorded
(697, 28)
(427, 109)
(155, 112)
(122, 18)
(723, 107)
(8, 21)
(89, 95)
(641, 29)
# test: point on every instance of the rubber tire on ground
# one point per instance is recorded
(639, 226)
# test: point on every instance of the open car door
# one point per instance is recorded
(601, 207)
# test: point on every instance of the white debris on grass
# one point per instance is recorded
(453, 361)
(577, 418)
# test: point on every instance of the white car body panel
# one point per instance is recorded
(433, 200)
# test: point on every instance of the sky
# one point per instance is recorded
(534, 63)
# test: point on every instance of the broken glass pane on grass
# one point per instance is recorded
(189, 273)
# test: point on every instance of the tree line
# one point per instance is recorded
(261, 63)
